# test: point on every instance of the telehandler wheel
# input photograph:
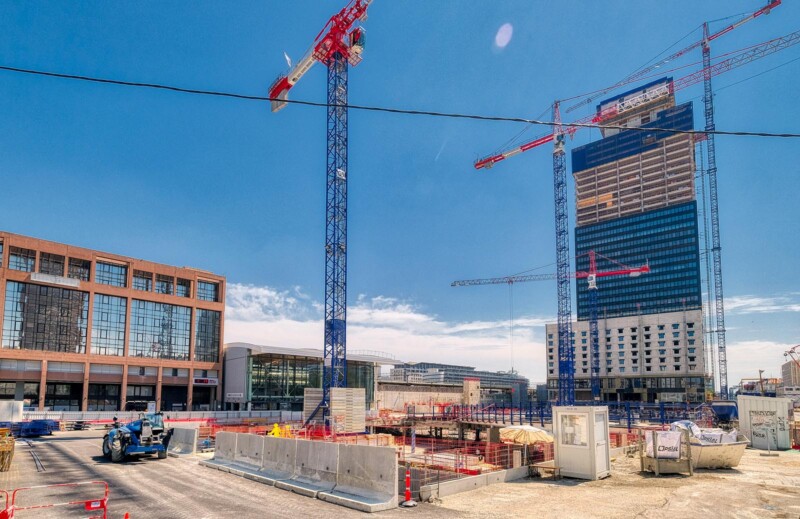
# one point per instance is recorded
(162, 455)
(106, 448)
(117, 454)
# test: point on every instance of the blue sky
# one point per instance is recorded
(227, 186)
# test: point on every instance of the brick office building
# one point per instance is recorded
(88, 330)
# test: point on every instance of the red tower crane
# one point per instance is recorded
(557, 136)
(591, 277)
(339, 44)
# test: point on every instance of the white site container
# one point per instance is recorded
(581, 441)
(766, 421)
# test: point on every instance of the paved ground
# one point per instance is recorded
(179, 488)
(174, 488)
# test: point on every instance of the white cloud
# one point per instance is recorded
(749, 304)
(263, 315)
(745, 358)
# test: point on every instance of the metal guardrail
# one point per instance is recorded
(623, 413)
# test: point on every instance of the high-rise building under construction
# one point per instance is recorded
(635, 204)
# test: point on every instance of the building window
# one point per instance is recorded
(691, 341)
(79, 269)
(52, 264)
(184, 288)
(583, 334)
(662, 368)
(45, 318)
(21, 259)
(675, 326)
(691, 350)
(648, 368)
(142, 280)
(583, 341)
(165, 284)
(1, 254)
(103, 397)
(677, 367)
(660, 327)
(622, 370)
(690, 334)
(660, 335)
(207, 291)
(159, 330)
(690, 325)
(108, 325)
(111, 274)
(207, 337)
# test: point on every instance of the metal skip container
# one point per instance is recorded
(766, 421)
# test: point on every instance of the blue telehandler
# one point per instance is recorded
(146, 435)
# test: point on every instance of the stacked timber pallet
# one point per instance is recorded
(7, 442)
(347, 408)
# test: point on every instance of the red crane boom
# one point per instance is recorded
(742, 58)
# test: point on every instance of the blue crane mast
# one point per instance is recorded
(338, 45)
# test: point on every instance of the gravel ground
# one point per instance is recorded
(178, 488)
(760, 487)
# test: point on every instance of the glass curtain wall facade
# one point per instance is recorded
(74, 321)
(666, 238)
(45, 318)
(278, 381)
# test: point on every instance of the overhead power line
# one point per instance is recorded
(429, 113)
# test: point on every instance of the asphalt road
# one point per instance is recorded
(174, 488)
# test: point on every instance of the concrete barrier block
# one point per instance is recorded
(279, 459)
(183, 441)
(315, 468)
(366, 479)
(225, 449)
(249, 450)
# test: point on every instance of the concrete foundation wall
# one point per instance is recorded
(456, 486)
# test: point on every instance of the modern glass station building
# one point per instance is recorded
(84, 330)
(275, 378)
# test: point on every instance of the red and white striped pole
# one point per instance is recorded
(409, 502)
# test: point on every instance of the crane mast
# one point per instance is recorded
(716, 248)
(566, 354)
(337, 46)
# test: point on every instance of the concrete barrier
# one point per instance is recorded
(315, 468)
(366, 479)
(224, 453)
(279, 459)
(183, 441)
(249, 450)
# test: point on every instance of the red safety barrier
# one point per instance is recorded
(90, 505)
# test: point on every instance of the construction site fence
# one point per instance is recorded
(431, 461)
(627, 413)
(108, 416)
